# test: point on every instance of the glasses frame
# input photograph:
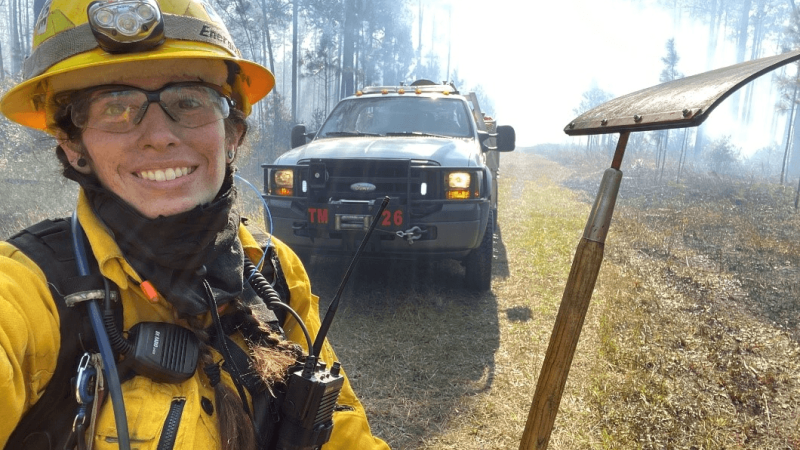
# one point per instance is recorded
(84, 95)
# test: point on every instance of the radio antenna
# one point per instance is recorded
(326, 322)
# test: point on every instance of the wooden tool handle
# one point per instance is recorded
(563, 341)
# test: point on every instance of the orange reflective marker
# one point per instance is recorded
(149, 291)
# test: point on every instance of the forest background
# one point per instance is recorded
(321, 51)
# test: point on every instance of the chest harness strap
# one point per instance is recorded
(106, 353)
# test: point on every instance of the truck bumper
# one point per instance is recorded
(451, 232)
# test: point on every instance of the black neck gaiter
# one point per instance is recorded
(168, 251)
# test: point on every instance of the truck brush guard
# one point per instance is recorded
(416, 184)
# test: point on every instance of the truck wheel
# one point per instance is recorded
(496, 202)
(478, 274)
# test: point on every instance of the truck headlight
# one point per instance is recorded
(458, 180)
(458, 184)
(284, 181)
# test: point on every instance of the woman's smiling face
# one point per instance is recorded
(160, 167)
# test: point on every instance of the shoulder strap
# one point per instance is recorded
(47, 425)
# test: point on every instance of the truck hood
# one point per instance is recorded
(445, 151)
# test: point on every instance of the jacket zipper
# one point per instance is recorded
(170, 430)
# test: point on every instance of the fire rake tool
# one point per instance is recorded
(682, 103)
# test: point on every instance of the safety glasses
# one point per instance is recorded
(119, 108)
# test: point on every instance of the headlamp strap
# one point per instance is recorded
(81, 39)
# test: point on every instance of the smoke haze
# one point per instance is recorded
(536, 60)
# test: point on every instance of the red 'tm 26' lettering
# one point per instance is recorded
(318, 215)
(388, 218)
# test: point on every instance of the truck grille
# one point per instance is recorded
(394, 178)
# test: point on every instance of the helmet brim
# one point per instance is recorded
(26, 103)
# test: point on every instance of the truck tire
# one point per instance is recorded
(478, 273)
(496, 202)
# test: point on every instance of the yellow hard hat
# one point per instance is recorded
(75, 41)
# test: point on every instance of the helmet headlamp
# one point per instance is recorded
(126, 25)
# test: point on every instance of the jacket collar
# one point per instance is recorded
(109, 256)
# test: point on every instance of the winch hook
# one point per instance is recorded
(412, 234)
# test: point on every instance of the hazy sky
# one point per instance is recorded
(535, 60)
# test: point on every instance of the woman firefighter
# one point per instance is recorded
(142, 322)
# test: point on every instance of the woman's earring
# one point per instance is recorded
(81, 162)
(231, 154)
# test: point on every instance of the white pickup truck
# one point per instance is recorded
(426, 146)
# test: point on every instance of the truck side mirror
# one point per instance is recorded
(298, 135)
(506, 138)
(503, 140)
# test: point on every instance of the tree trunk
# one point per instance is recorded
(240, 10)
(2, 69)
(432, 52)
(449, 39)
(366, 50)
(418, 69)
(789, 122)
(713, 20)
(266, 36)
(699, 142)
(797, 195)
(358, 64)
(664, 154)
(258, 111)
(659, 140)
(295, 44)
(327, 69)
(682, 157)
(742, 30)
(16, 46)
(793, 161)
(340, 71)
(742, 36)
(755, 51)
(283, 66)
(27, 32)
(348, 52)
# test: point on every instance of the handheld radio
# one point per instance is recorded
(312, 388)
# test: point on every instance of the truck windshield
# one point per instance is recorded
(395, 116)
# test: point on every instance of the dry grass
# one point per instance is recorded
(691, 340)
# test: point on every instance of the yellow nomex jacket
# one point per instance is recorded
(30, 341)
